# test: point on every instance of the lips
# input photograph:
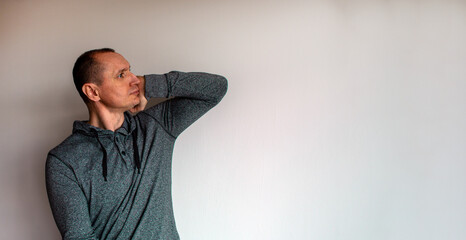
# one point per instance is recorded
(135, 91)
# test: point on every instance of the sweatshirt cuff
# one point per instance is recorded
(156, 86)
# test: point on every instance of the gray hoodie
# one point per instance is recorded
(99, 187)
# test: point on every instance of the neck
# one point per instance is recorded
(105, 118)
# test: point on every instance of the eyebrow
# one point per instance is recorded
(124, 69)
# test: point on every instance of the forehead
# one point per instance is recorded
(112, 62)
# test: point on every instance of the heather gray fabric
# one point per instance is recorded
(129, 205)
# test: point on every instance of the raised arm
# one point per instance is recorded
(191, 96)
(67, 200)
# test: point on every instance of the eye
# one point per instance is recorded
(121, 75)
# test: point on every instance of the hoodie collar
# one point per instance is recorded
(85, 128)
(128, 127)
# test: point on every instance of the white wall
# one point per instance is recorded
(343, 120)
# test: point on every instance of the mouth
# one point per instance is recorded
(134, 92)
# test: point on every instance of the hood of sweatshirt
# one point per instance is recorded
(82, 127)
(127, 128)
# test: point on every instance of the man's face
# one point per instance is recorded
(119, 88)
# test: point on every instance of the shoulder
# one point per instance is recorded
(152, 125)
(72, 150)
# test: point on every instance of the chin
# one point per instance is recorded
(136, 101)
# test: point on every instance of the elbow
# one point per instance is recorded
(218, 87)
(221, 87)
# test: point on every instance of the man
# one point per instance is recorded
(111, 179)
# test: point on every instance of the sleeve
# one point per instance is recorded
(190, 95)
(67, 200)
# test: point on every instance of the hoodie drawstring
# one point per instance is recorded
(105, 158)
(136, 151)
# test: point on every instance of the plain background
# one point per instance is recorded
(343, 119)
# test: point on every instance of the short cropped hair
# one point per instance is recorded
(87, 70)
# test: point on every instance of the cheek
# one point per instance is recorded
(116, 93)
(112, 95)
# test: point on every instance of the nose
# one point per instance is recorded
(134, 79)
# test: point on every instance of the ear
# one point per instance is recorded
(91, 90)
